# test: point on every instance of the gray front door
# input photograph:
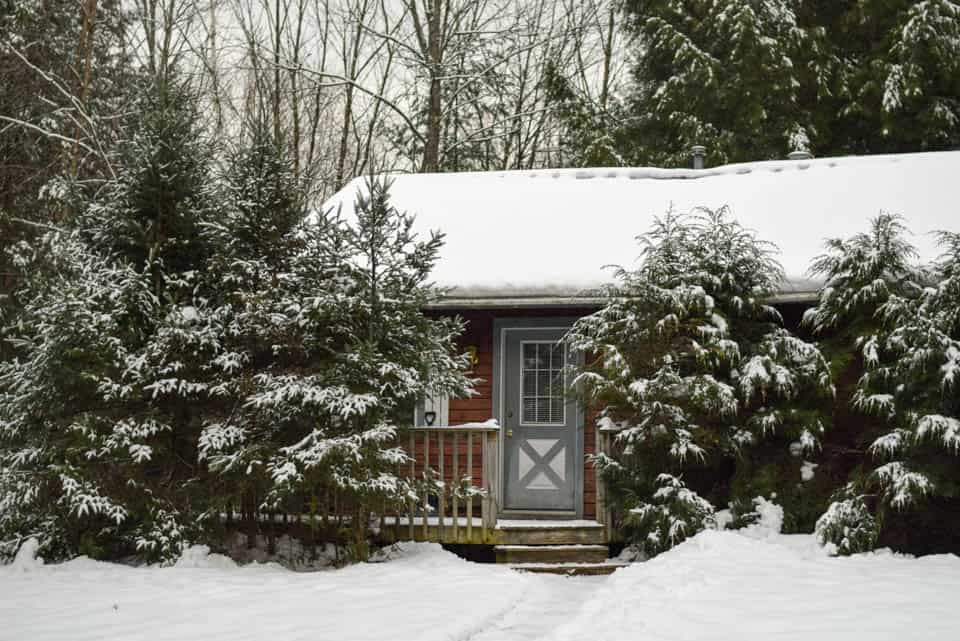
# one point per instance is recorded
(539, 422)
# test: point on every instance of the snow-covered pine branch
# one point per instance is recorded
(696, 370)
(894, 325)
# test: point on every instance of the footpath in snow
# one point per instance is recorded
(718, 586)
(546, 604)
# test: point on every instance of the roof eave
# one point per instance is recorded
(569, 302)
(516, 302)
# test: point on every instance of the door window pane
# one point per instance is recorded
(542, 383)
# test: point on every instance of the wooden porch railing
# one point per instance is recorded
(605, 439)
(444, 465)
(456, 474)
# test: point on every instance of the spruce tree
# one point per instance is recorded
(899, 77)
(755, 79)
(67, 442)
(905, 341)
(42, 84)
(739, 77)
(339, 352)
(274, 275)
(101, 403)
(698, 377)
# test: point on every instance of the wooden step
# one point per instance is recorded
(532, 532)
(569, 569)
(551, 554)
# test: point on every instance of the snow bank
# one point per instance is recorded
(199, 556)
(551, 232)
(26, 559)
(769, 521)
(716, 586)
(721, 586)
(421, 594)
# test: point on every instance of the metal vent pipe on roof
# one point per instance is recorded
(799, 155)
(699, 155)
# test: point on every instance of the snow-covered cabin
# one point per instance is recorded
(526, 251)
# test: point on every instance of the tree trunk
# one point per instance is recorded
(431, 148)
(278, 31)
(361, 549)
(85, 62)
(344, 137)
(213, 63)
(607, 60)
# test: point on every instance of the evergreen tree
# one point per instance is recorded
(275, 278)
(668, 517)
(42, 70)
(755, 79)
(153, 213)
(740, 77)
(75, 455)
(339, 352)
(592, 135)
(907, 351)
(899, 76)
(848, 524)
(698, 375)
(100, 404)
(46, 101)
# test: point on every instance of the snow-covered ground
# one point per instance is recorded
(422, 594)
(717, 586)
(722, 586)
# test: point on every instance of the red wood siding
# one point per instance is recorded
(479, 335)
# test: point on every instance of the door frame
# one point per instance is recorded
(501, 327)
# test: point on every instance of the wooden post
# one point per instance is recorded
(413, 479)
(601, 490)
(491, 482)
(442, 503)
(397, 507)
(470, 496)
(455, 484)
(426, 485)
(605, 515)
(325, 514)
(608, 450)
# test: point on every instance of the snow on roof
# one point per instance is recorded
(550, 234)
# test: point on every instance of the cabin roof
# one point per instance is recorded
(547, 237)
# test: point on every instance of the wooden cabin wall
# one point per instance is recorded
(478, 334)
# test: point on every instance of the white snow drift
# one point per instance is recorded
(718, 586)
(726, 586)
(421, 594)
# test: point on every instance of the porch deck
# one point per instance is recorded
(457, 469)
(507, 532)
